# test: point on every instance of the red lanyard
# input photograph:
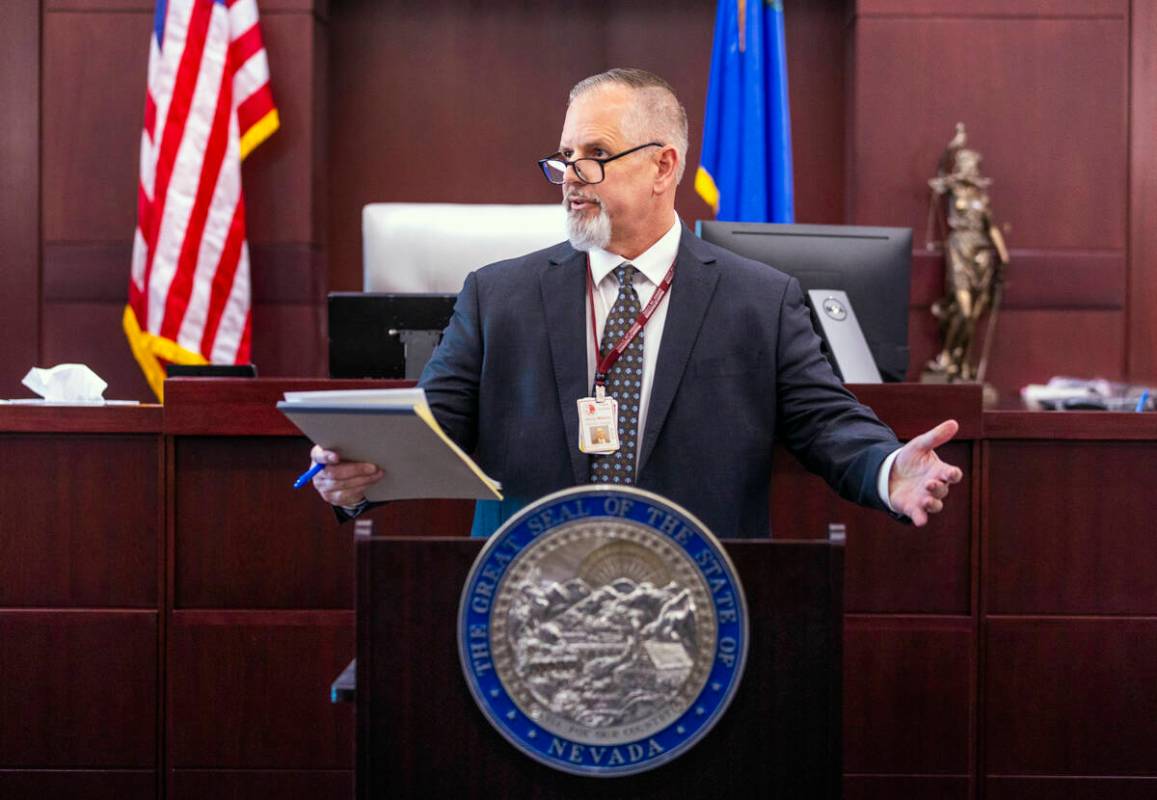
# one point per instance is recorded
(608, 361)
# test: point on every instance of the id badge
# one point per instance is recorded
(598, 425)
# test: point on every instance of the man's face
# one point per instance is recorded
(602, 214)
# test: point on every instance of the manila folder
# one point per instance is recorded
(395, 430)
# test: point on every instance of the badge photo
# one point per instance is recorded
(598, 425)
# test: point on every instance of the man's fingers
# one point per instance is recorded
(933, 506)
(319, 455)
(952, 475)
(348, 498)
(359, 482)
(343, 483)
(346, 470)
(939, 435)
(919, 518)
(937, 489)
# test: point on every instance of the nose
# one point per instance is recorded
(571, 176)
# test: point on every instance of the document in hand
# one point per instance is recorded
(394, 429)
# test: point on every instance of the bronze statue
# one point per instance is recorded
(975, 258)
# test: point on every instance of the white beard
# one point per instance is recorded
(587, 233)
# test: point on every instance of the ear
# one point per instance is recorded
(667, 162)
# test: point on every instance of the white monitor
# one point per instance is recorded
(431, 247)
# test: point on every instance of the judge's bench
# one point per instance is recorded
(172, 613)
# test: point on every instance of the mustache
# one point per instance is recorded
(578, 195)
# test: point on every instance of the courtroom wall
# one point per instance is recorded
(453, 101)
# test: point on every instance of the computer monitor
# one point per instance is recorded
(872, 265)
(383, 334)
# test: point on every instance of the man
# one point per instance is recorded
(726, 362)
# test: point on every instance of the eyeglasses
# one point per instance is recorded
(588, 170)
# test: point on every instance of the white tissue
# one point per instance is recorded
(66, 383)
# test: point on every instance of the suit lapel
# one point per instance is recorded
(691, 291)
(563, 287)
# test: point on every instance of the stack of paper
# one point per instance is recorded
(394, 429)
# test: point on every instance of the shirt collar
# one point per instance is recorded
(652, 262)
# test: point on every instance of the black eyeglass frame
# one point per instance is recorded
(602, 162)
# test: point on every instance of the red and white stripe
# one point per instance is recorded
(190, 270)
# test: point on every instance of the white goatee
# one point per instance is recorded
(586, 233)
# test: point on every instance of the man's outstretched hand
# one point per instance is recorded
(919, 481)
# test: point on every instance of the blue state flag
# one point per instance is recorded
(745, 170)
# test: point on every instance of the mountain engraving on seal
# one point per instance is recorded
(608, 637)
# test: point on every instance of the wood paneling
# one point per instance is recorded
(1022, 788)
(1071, 426)
(890, 566)
(91, 333)
(419, 92)
(404, 147)
(69, 784)
(19, 190)
(1070, 697)
(413, 694)
(908, 689)
(909, 787)
(252, 690)
(1143, 194)
(75, 545)
(78, 689)
(242, 406)
(420, 518)
(294, 341)
(817, 38)
(92, 124)
(1069, 528)
(638, 35)
(1034, 346)
(268, 7)
(1085, 279)
(96, 272)
(995, 8)
(80, 419)
(279, 175)
(262, 784)
(229, 555)
(912, 409)
(1045, 102)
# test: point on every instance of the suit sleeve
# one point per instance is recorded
(821, 422)
(452, 376)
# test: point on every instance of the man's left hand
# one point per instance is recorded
(919, 481)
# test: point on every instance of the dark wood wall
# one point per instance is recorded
(1044, 89)
(451, 100)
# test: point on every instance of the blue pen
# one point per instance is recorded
(307, 476)
(1141, 401)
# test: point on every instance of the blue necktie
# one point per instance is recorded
(624, 382)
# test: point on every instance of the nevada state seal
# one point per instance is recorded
(603, 631)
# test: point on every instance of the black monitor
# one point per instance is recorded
(384, 335)
(871, 264)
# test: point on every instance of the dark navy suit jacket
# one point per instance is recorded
(739, 366)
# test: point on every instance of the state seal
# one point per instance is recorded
(603, 631)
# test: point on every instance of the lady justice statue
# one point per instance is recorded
(975, 258)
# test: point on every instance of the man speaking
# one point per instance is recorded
(639, 354)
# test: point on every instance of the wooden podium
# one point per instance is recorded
(419, 732)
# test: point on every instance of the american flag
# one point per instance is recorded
(208, 106)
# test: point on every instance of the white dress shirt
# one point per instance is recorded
(651, 266)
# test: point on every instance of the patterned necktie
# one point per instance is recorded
(624, 382)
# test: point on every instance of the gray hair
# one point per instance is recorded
(657, 115)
